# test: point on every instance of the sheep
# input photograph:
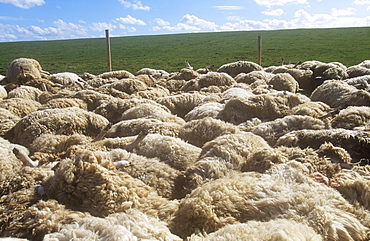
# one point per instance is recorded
(23, 70)
(209, 109)
(235, 92)
(128, 86)
(155, 73)
(63, 103)
(114, 108)
(361, 82)
(312, 108)
(265, 106)
(150, 111)
(214, 78)
(277, 229)
(23, 214)
(185, 74)
(355, 142)
(134, 126)
(233, 69)
(92, 98)
(51, 120)
(118, 74)
(352, 117)
(194, 131)
(129, 225)
(19, 106)
(337, 93)
(67, 78)
(282, 192)
(181, 104)
(153, 93)
(90, 187)
(284, 81)
(173, 151)
(25, 92)
(233, 149)
(7, 121)
(272, 130)
(251, 77)
(3, 92)
(353, 186)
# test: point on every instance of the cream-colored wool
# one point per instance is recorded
(24, 215)
(265, 107)
(214, 78)
(135, 126)
(129, 225)
(92, 98)
(353, 186)
(23, 70)
(86, 186)
(284, 81)
(7, 121)
(153, 93)
(25, 92)
(3, 92)
(362, 82)
(118, 74)
(150, 111)
(114, 108)
(65, 78)
(357, 70)
(354, 142)
(233, 69)
(352, 117)
(233, 149)
(304, 77)
(209, 109)
(337, 93)
(19, 106)
(198, 132)
(253, 76)
(272, 130)
(50, 121)
(236, 92)
(311, 108)
(273, 230)
(184, 74)
(128, 86)
(173, 151)
(155, 73)
(64, 103)
(283, 192)
(181, 104)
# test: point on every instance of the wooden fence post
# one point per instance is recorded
(108, 50)
(260, 50)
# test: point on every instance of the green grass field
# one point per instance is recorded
(349, 46)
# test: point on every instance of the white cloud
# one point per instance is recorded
(137, 5)
(234, 18)
(361, 2)
(161, 22)
(101, 27)
(270, 3)
(194, 20)
(228, 7)
(130, 20)
(24, 3)
(181, 27)
(343, 12)
(276, 12)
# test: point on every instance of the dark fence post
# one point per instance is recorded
(108, 50)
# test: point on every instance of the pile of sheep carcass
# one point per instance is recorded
(241, 153)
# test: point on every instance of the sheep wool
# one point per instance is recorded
(173, 151)
(251, 77)
(284, 81)
(52, 120)
(128, 86)
(214, 78)
(352, 117)
(194, 131)
(64, 103)
(23, 70)
(25, 92)
(3, 92)
(7, 121)
(337, 93)
(278, 229)
(233, 69)
(210, 109)
(118, 74)
(283, 192)
(19, 106)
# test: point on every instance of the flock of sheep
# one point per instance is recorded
(239, 153)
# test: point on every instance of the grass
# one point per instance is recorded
(349, 46)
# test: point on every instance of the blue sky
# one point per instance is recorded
(24, 20)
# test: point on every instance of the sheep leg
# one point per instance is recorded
(140, 137)
(102, 133)
(24, 158)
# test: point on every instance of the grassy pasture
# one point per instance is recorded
(349, 46)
